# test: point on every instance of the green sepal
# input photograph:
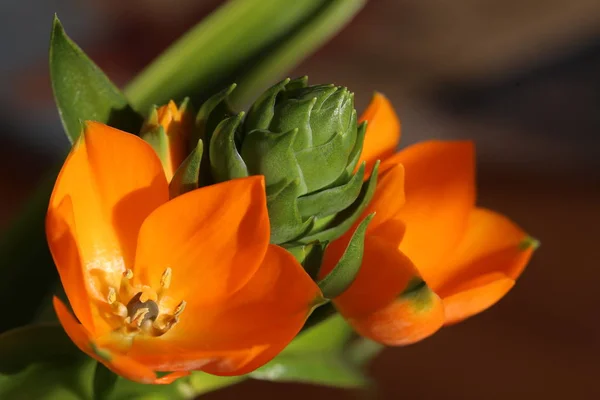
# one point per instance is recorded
(295, 114)
(82, 91)
(345, 271)
(331, 201)
(310, 256)
(270, 154)
(419, 294)
(322, 165)
(157, 138)
(346, 219)
(354, 157)
(104, 382)
(225, 160)
(286, 222)
(214, 110)
(262, 110)
(357, 149)
(186, 177)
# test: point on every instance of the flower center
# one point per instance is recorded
(145, 311)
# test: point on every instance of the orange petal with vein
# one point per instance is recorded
(440, 193)
(389, 197)
(384, 274)
(492, 243)
(111, 194)
(483, 293)
(214, 239)
(61, 236)
(383, 130)
(242, 332)
(490, 257)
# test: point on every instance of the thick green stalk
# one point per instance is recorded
(209, 55)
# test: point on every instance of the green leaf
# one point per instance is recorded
(104, 382)
(316, 356)
(64, 379)
(225, 160)
(24, 346)
(41, 362)
(345, 271)
(362, 351)
(316, 368)
(82, 91)
(186, 177)
(314, 31)
(257, 38)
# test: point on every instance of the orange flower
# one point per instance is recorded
(158, 285)
(168, 132)
(431, 256)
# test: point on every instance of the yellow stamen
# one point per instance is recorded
(147, 294)
(139, 315)
(179, 309)
(165, 279)
(128, 274)
(112, 296)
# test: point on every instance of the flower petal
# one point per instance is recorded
(214, 239)
(477, 296)
(389, 197)
(383, 130)
(412, 317)
(114, 180)
(491, 256)
(384, 274)
(118, 363)
(440, 193)
(60, 228)
(242, 332)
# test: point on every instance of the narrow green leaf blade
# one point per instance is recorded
(317, 356)
(104, 382)
(344, 273)
(211, 54)
(316, 368)
(82, 91)
(331, 17)
(24, 346)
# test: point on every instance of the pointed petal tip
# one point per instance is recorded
(529, 242)
(415, 315)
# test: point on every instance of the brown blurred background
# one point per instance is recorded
(519, 77)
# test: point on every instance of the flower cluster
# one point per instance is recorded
(184, 248)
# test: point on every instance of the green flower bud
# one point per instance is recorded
(306, 142)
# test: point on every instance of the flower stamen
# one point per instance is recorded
(165, 279)
(146, 312)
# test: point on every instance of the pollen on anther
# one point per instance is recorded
(139, 316)
(128, 274)
(179, 309)
(112, 296)
(165, 279)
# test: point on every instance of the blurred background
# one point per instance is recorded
(519, 77)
